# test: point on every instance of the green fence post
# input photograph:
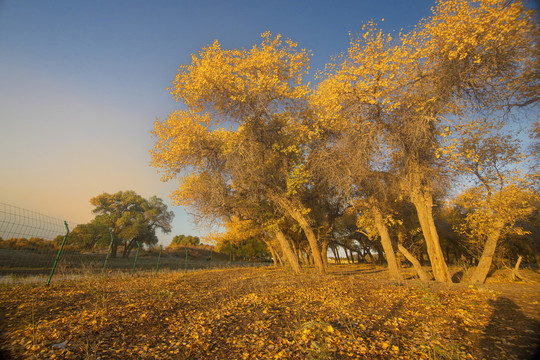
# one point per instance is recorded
(136, 256)
(59, 252)
(186, 262)
(159, 257)
(108, 252)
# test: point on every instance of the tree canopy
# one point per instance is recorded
(185, 240)
(395, 126)
(131, 218)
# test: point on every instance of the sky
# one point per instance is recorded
(82, 82)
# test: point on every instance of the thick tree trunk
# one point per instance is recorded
(424, 204)
(296, 251)
(414, 261)
(324, 252)
(287, 252)
(312, 240)
(380, 253)
(114, 250)
(387, 245)
(480, 273)
(288, 208)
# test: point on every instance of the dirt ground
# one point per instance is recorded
(353, 312)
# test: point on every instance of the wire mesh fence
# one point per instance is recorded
(38, 246)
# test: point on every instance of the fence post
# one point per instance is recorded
(59, 252)
(136, 255)
(108, 252)
(159, 257)
(186, 261)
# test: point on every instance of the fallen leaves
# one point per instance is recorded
(243, 314)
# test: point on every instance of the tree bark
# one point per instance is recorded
(337, 260)
(324, 252)
(515, 271)
(386, 243)
(414, 261)
(273, 253)
(114, 250)
(289, 209)
(380, 253)
(368, 252)
(347, 255)
(312, 240)
(287, 252)
(480, 273)
(424, 203)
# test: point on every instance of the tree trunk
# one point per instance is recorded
(125, 251)
(295, 250)
(336, 256)
(308, 231)
(287, 252)
(114, 250)
(273, 253)
(347, 255)
(424, 204)
(516, 268)
(312, 240)
(324, 252)
(414, 261)
(387, 245)
(380, 251)
(305, 257)
(368, 252)
(480, 273)
(279, 255)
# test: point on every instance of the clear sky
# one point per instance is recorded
(81, 83)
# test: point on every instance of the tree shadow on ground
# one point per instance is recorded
(510, 334)
(360, 271)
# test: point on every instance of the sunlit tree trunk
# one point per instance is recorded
(387, 245)
(422, 274)
(273, 253)
(481, 271)
(414, 261)
(292, 259)
(312, 240)
(324, 252)
(424, 203)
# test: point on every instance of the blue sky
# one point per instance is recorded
(81, 83)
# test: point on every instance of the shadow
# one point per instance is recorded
(510, 334)
(456, 278)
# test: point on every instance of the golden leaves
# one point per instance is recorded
(241, 313)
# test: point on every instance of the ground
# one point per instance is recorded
(353, 312)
